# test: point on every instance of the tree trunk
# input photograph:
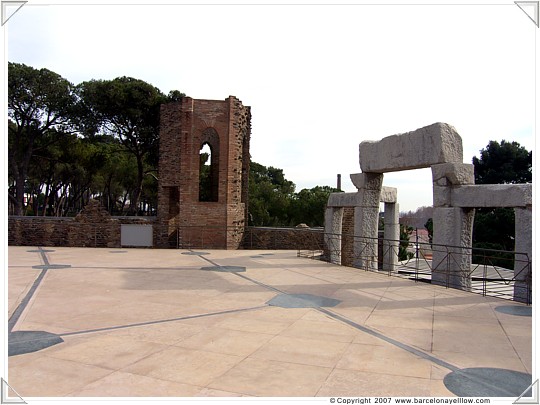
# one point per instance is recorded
(18, 202)
(134, 203)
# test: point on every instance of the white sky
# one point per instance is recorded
(319, 78)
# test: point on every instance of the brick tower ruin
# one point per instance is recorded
(208, 210)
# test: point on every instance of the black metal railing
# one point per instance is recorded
(490, 272)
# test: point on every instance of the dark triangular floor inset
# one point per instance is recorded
(514, 310)
(28, 341)
(302, 301)
(226, 269)
(488, 382)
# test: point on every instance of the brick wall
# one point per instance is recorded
(92, 227)
(185, 127)
(225, 125)
(284, 238)
(347, 237)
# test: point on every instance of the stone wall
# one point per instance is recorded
(92, 227)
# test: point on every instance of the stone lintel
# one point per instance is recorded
(343, 200)
(424, 147)
(492, 196)
(387, 195)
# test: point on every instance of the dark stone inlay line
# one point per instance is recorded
(355, 325)
(22, 342)
(52, 266)
(118, 251)
(41, 251)
(369, 331)
(488, 382)
(22, 306)
(225, 269)
(210, 261)
(268, 287)
(182, 318)
(387, 339)
(514, 310)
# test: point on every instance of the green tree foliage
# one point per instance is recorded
(116, 160)
(404, 237)
(429, 226)
(39, 102)
(273, 201)
(205, 178)
(270, 196)
(99, 139)
(125, 108)
(503, 163)
(308, 206)
(499, 163)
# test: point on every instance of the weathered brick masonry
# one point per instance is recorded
(92, 227)
(186, 126)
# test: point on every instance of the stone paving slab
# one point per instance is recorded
(153, 323)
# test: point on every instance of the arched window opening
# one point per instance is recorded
(208, 174)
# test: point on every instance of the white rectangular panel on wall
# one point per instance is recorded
(136, 235)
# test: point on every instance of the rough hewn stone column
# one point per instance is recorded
(366, 219)
(391, 228)
(522, 268)
(452, 227)
(391, 236)
(332, 233)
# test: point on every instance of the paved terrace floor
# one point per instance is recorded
(177, 323)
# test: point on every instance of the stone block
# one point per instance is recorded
(523, 259)
(425, 147)
(343, 200)
(388, 195)
(492, 195)
(452, 174)
(441, 196)
(368, 181)
(452, 241)
(332, 233)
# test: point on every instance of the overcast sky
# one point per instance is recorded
(319, 78)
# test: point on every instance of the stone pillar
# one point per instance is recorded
(332, 233)
(523, 258)
(452, 242)
(366, 219)
(452, 227)
(391, 236)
